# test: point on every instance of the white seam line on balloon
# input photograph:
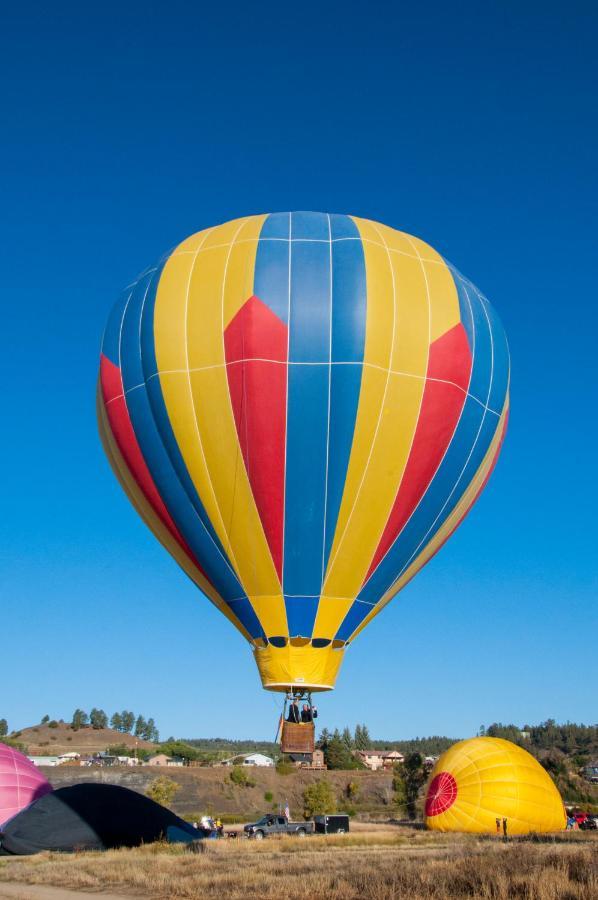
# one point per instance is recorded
(332, 561)
(136, 281)
(309, 596)
(195, 421)
(448, 446)
(244, 222)
(175, 472)
(330, 296)
(279, 362)
(261, 525)
(436, 262)
(422, 542)
(286, 410)
(473, 353)
(421, 400)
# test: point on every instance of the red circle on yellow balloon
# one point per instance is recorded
(442, 793)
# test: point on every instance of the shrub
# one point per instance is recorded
(318, 799)
(53, 724)
(163, 790)
(268, 796)
(240, 777)
(284, 767)
(180, 748)
(16, 745)
(352, 790)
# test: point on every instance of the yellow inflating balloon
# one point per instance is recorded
(484, 779)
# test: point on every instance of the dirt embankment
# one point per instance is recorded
(211, 790)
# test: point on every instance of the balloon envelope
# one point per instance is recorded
(20, 783)
(484, 779)
(302, 407)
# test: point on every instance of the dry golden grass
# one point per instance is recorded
(381, 865)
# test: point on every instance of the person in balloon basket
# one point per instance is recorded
(308, 714)
(294, 714)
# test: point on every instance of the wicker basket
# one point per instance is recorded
(298, 738)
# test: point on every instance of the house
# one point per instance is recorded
(128, 761)
(44, 760)
(70, 759)
(590, 772)
(258, 759)
(379, 759)
(102, 759)
(160, 759)
(313, 760)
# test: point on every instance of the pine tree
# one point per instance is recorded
(324, 738)
(128, 720)
(140, 726)
(409, 777)
(3, 727)
(336, 753)
(80, 718)
(150, 732)
(362, 738)
(98, 719)
(116, 722)
(347, 738)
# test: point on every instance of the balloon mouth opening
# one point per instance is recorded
(279, 642)
(442, 793)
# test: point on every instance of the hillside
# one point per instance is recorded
(211, 789)
(52, 740)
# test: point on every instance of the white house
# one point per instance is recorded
(44, 760)
(258, 759)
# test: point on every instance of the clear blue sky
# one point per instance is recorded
(128, 127)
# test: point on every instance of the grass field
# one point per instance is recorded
(364, 865)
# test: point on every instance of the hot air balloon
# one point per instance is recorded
(479, 782)
(302, 407)
(20, 783)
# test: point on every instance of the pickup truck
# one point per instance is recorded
(272, 824)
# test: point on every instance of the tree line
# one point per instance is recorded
(569, 738)
(126, 722)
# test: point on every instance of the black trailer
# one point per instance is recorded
(331, 824)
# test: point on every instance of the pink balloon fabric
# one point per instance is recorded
(20, 783)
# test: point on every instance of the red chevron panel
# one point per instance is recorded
(256, 344)
(450, 363)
